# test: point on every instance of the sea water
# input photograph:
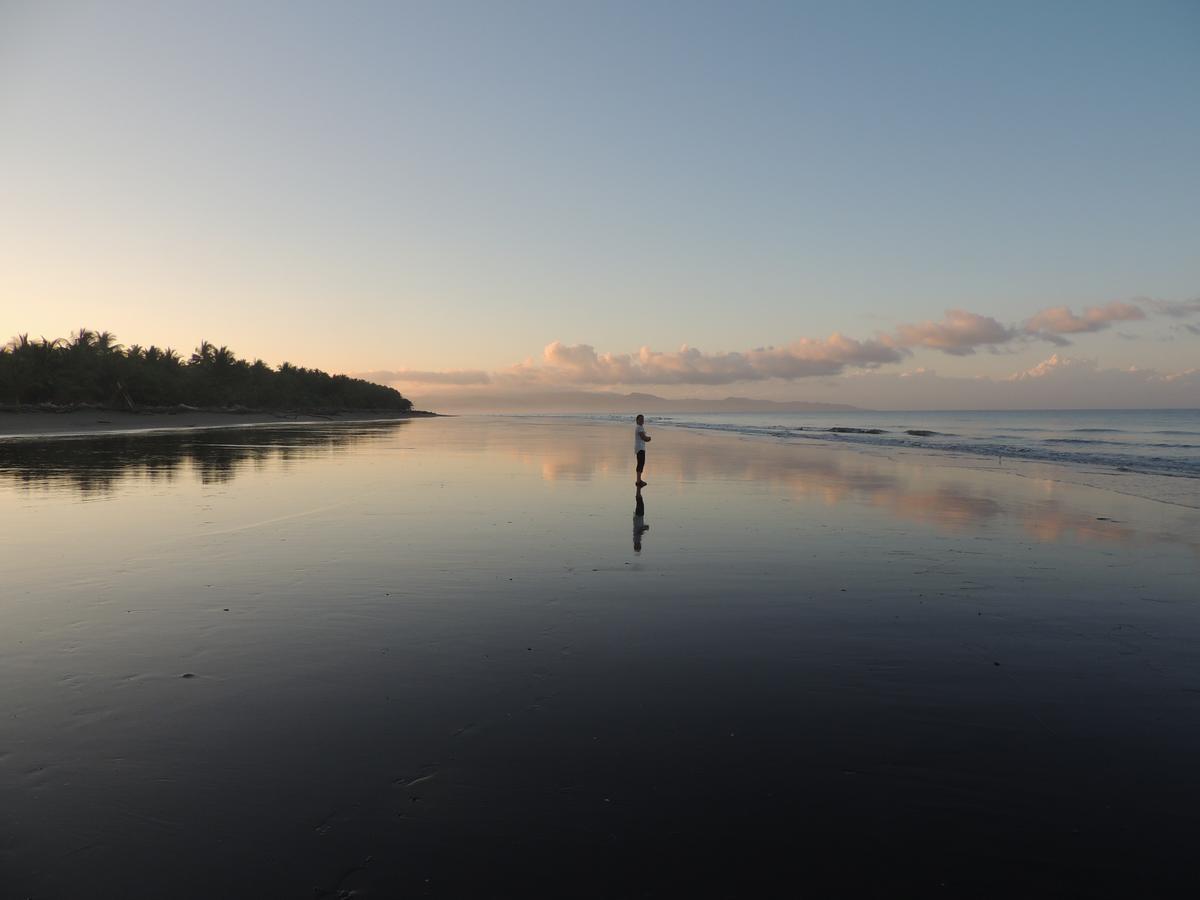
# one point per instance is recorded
(1159, 442)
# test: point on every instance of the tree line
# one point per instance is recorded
(90, 367)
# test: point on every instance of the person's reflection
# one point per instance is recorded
(639, 521)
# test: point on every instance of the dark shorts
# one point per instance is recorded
(641, 455)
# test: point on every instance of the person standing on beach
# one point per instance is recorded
(640, 440)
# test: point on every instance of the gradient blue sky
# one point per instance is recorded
(385, 186)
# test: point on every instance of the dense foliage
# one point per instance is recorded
(91, 367)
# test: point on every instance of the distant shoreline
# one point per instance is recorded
(34, 423)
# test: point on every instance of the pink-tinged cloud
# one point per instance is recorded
(959, 333)
(1059, 320)
(1060, 368)
(1054, 365)
(1187, 376)
(414, 376)
(581, 364)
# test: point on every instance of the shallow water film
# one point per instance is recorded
(462, 657)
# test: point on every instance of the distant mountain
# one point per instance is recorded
(611, 402)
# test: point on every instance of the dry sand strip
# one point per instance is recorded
(81, 422)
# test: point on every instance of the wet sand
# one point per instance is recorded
(424, 658)
(30, 424)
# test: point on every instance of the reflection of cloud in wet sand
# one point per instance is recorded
(1050, 523)
(824, 478)
(561, 460)
(948, 508)
(914, 493)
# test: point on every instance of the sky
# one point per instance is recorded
(838, 201)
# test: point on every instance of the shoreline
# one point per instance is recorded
(35, 425)
(38, 424)
(1158, 487)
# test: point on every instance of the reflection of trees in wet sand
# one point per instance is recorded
(100, 464)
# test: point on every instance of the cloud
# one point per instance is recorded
(1059, 320)
(1187, 376)
(1176, 309)
(1054, 365)
(959, 333)
(1077, 377)
(1063, 367)
(807, 357)
(1057, 382)
(414, 376)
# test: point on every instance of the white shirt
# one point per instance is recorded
(638, 443)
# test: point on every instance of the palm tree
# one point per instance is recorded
(204, 354)
(223, 358)
(106, 342)
(16, 367)
(91, 367)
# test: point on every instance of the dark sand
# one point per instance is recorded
(423, 659)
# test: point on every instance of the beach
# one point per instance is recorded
(35, 423)
(425, 657)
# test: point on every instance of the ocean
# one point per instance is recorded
(1161, 442)
(1156, 451)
